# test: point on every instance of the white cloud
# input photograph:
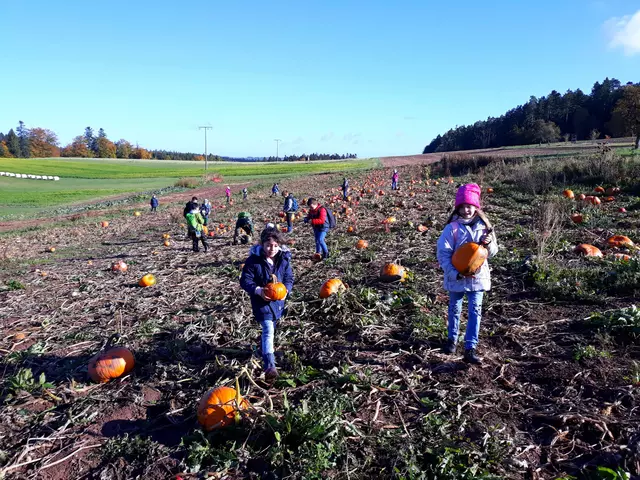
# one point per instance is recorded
(624, 32)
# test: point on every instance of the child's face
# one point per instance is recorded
(271, 248)
(467, 211)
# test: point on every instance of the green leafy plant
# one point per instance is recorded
(589, 352)
(24, 380)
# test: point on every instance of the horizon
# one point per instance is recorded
(331, 78)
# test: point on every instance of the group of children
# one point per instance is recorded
(467, 223)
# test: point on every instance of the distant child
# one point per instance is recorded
(227, 192)
(205, 210)
(195, 222)
(466, 224)
(394, 180)
(319, 220)
(275, 190)
(345, 188)
(268, 258)
(244, 229)
(245, 193)
(290, 208)
(154, 203)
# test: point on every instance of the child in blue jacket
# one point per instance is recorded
(269, 257)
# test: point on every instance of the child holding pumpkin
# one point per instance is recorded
(467, 224)
(269, 263)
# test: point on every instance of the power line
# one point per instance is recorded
(277, 140)
(206, 157)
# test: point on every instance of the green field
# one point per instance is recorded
(84, 180)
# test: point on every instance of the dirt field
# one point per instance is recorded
(364, 391)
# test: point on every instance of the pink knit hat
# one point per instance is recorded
(469, 194)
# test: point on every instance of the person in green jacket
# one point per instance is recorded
(195, 222)
(244, 229)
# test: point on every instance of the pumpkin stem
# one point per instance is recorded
(111, 340)
(274, 279)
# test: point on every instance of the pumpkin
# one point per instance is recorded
(331, 286)
(609, 199)
(623, 257)
(588, 250)
(568, 193)
(119, 266)
(275, 290)
(166, 236)
(612, 190)
(136, 214)
(595, 201)
(392, 272)
(89, 262)
(205, 230)
(582, 196)
(577, 218)
(350, 229)
(110, 364)
(619, 241)
(316, 257)
(622, 210)
(489, 190)
(362, 244)
(598, 190)
(182, 225)
(52, 249)
(468, 258)
(147, 281)
(218, 407)
(390, 220)
(212, 234)
(167, 243)
(422, 228)
(104, 224)
(381, 193)
(283, 229)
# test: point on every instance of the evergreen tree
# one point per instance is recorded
(23, 137)
(13, 144)
(90, 140)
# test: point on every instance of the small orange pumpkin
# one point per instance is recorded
(595, 201)
(588, 250)
(381, 193)
(316, 257)
(110, 364)
(104, 224)
(623, 257)
(392, 272)
(147, 281)
(568, 193)
(422, 228)
(52, 249)
(362, 244)
(577, 218)
(619, 241)
(167, 243)
(468, 258)
(609, 199)
(205, 230)
(119, 266)
(489, 190)
(350, 229)
(275, 290)
(136, 214)
(599, 190)
(218, 407)
(331, 286)
(166, 236)
(582, 197)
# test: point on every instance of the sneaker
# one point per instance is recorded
(270, 375)
(470, 356)
(450, 347)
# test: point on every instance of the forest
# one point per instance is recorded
(610, 110)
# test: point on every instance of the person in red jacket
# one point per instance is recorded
(320, 222)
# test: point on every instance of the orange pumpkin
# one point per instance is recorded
(390, 220)
(205, 230)
(52, 249)
(582, 196)
(147, 281)
(316, 257)
(422, 228)
(392, 272)
(218, 407)
(588, 250)
(468, 258)
(350, 229)
(275, 290)
(489, 190)
(609, 199)
(331, 286)
(619, 241)
(166, 236)
(577, 218)
(136, 214)
(110, 364)
(595, 201)
(119, 266)
(568, 193)
(104, 224)
(167, 243)
(598, 190)
(362, 244)
(381, 193)
(623, 257)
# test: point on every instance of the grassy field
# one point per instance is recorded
(84, 180)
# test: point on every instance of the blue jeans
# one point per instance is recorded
(321, 246)
(394, 185)
(268, 332)
(289, 222)
(475, 315)
(345, 194)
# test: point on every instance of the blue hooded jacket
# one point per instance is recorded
(257, 273)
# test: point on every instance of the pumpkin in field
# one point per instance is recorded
(136, 214)
(422, 228)
(568, 193)
(468, 258)
(219, 406)
(622, 210)
(598, 190)
(147, 281)
(205, 230)
(316, 257)
(577, 218)
(392, 272)
(119, 266)
(612, 190)
(381, 193)
(588, 250)
(362, 244)
(619, 241)
(594, 200)
(489, 190)
(52, 249)
(283, 229)
(275, 290)
(166, 236)
(609, 199)
(350, 229)
(582, 197)
(623, 257)
(182, 225)
(104, 224)
(112, 363)
(331, 286)
(167, 243)
(389, 220)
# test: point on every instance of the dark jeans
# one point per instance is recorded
(289, 221)
(153, 209)
(196, 239)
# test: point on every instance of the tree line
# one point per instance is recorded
(611, 109)
(39, 142)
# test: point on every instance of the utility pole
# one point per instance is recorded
(277, 140)
(206, 157)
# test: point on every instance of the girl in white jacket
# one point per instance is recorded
(466, 224)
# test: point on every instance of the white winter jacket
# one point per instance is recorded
(453, 236)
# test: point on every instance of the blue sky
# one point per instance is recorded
(368, 77)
